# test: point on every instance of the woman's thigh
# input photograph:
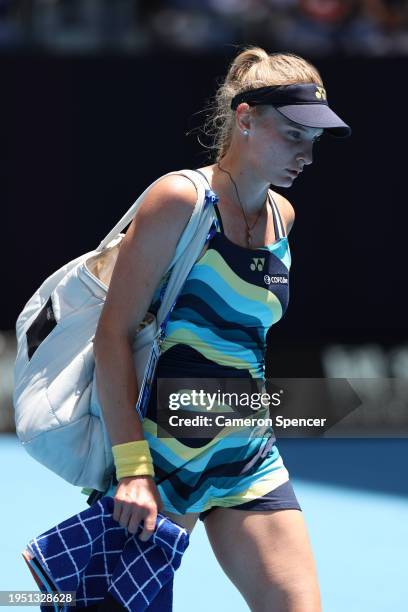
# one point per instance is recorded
(268, 557)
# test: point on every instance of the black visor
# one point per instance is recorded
(303, 103)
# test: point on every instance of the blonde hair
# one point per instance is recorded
(252, 68)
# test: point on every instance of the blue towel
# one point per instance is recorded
(93, 555)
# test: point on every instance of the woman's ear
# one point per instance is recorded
(243, 117)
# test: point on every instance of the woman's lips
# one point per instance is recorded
(293, 172)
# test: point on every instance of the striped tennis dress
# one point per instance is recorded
(217, 330)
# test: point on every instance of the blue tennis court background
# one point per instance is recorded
(354, 495)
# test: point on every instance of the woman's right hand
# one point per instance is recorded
(137, 499)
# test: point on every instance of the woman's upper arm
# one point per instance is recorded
(145, 253)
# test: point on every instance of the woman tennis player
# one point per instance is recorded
(270, 110)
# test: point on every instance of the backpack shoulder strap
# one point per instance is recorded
(189, 246)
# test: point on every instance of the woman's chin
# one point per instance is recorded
(284, 181)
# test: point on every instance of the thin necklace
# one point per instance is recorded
(248, 227)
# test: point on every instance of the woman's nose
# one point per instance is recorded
(306, 157)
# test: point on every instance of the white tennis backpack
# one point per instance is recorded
(57, 412)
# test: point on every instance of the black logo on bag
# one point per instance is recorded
(39, 329)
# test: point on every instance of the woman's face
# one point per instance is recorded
(279, 148)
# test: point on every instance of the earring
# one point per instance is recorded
(245, 132)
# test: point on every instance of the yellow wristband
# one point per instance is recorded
(133, 459)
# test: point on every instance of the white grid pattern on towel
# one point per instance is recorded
(92, 536)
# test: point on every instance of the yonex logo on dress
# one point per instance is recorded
(274, 280)
(257, 264)
(320, 93)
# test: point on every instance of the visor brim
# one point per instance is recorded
(316, 116)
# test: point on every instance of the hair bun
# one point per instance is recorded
(244, 61)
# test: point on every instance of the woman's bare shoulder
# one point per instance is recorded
(163, 215)
(146, 252)
(285, 208)
(171, 194)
